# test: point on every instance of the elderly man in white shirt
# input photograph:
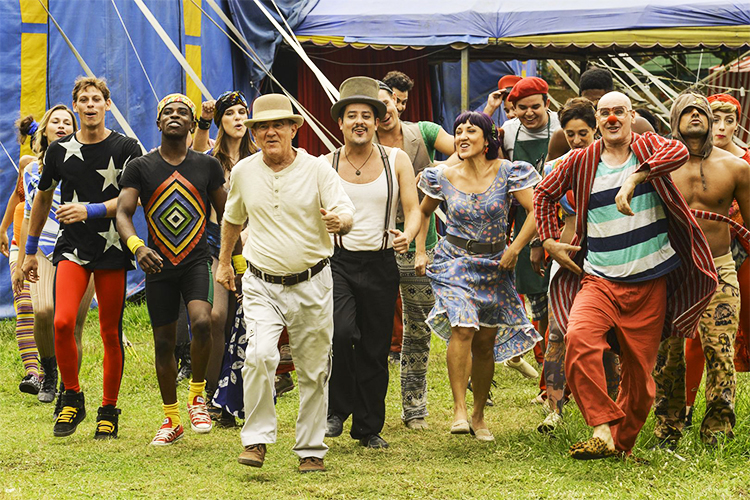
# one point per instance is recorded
(291, 201)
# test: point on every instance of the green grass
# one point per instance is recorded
(521, 464)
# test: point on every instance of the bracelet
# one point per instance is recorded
(134, 243)
(204, 124)
(536, 243)
(32, 245)
(96, 210)
(240, 264)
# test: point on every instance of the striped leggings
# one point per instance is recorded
(24, 322)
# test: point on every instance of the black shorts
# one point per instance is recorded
(163, 291)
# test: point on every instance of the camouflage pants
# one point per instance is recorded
(717, 330)
(554, 368)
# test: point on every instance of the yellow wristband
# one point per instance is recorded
(240, 264)
(134, 243)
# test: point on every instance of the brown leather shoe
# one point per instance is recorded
(311, 464)
(254, 455)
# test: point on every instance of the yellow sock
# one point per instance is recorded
(196, 389)
(172, 412)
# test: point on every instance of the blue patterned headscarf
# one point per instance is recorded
(226, 101)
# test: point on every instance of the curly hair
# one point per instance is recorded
(398, 80)
(596, 78)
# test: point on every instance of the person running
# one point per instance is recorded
(291, 201)
(58, 122)
(175, 185)
(477, 307)
(619, 281)
(365, 273)
(31, 383)
(711, 180)
(233, 143)
(578, 121)
(87, 166)
(419, 141)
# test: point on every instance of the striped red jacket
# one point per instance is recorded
(690, 287)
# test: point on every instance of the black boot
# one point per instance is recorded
(182, 353)
(106, 422)
(49, 382)
(73, 412)
(59, 402)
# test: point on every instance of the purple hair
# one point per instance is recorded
(485, 123)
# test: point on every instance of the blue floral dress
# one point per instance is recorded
(470, 289)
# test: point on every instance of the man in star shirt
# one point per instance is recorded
(87, 165)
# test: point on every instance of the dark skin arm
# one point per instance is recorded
(148, 260)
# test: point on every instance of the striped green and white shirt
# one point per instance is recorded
(626, 248)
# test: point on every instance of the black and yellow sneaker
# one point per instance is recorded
(106, 422)
(73, 412)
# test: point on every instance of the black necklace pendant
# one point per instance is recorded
(359, 173)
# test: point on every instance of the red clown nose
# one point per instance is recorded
(611, 119)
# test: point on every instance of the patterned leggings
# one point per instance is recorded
(24, 323)
(417, 299)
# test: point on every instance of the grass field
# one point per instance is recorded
(521, 464)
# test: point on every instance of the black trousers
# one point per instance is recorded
(365, 287)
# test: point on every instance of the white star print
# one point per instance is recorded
(76, 200)
(109, 174)
(113, 239)
(72, 148)
(73, 257)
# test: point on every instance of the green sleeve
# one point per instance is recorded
(430, 133)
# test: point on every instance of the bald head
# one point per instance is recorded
(614, 99)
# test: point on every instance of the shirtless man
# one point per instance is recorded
(709, 181)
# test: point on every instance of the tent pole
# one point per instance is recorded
(465, 78)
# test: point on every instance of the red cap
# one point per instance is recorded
(507, 82)
(531, 85)
(728, 99)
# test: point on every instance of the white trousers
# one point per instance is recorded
(306, 309)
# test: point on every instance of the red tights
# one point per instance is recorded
(71, 281)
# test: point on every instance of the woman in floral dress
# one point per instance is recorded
(477, 307)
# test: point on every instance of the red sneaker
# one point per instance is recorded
(167, 434)
(200, 420)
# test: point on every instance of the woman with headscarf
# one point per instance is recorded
(233, 143)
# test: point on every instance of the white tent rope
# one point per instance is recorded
(311, 120)
(634, 96)
(333, 92)
(656, 81)
(115, 110)
(134, 50)
(173, 48)
(563, 75)
(9, 156)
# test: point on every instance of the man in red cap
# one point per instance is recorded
(527, 139)
(499, 97)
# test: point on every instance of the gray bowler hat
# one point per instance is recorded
(358, 89)
(270, 107)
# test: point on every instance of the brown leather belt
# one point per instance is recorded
(474, 246)
(290, 279)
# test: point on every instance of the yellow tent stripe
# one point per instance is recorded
(192, 16)
(33, 12)
(711, 36)
(33, 77)
(193, 57)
